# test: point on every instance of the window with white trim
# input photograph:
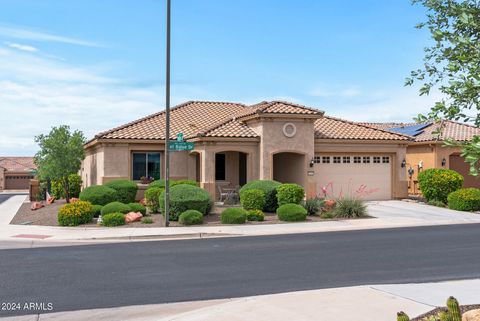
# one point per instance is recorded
(317, 159)
(346, 159)
(326, 159)
(337, 159)
(366, 159)
(357, 159)
(386, 159)
(376, 159)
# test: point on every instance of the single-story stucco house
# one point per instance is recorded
(237, 143)
(16, 172)
(427, 149)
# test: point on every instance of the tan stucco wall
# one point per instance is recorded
(2, 178)
(274, 141)
(395, 150)
(431, 155)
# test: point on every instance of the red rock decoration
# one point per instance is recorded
(50, 200)
(143, 201)
(36, 205)
(73, 200)
(133, 217)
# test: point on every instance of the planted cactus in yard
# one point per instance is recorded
(402, 316)
(454, 309)
(445, 315)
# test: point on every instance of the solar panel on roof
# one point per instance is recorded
(411, 130)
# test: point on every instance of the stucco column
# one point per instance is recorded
(207, 177)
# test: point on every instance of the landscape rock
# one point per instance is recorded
(73, 200)
(50, 200)
(36, 205)
(472, 315)
(133, 217)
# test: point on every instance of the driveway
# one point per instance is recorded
(418, 212)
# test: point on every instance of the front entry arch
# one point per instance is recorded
(289, 167)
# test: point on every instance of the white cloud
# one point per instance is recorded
(326, 91)
(26, 34)
(21, 47)
(37, 93)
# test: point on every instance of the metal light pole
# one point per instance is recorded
(167, 126)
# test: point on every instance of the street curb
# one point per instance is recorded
(161, 237)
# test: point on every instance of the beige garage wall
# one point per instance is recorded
(394, 149)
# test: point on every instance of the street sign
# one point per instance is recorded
(180, 145)
(175, 146)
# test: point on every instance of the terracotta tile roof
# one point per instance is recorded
(232, 128)
(335, 128)
(449, 130)
(279, 107)
(17, 164)
(190, 118)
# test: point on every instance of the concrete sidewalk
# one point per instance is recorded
(361, 303)
(388, 214)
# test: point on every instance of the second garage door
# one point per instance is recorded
(17, 182)
(366, 175)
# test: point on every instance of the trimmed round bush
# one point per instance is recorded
(290, 194)
(255, 215)
(74, 214)
(113, 219)
(465, 199)
(126, 190)
(137, 207)
(252, 199)
(152, 197)
(161, 183)
(184, 182)
(291, 213)
(98, 195)
(269, 188)
(115, 207)
(190, 217)
(186, 197)
(97, 210)
(233, 215)
(438, 183)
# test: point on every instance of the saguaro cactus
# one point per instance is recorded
(402, 316)
(445, 315)
(454, 309)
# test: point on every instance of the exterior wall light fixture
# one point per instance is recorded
(312, 162)
(404, 163)
(444, 162)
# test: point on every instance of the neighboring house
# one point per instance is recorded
(236, 143)
(16, 172)
(428, 151)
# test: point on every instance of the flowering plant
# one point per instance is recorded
(146, 179)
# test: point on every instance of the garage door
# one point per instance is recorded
(18, 182)
(367, 175)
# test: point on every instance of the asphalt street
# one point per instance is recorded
(114, 275)
(4, 197)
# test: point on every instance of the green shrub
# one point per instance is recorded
(465, 199)
(255, 215)
(436, 203)
(137, 207)
(313, 205)
(152, 198)
(74, 185)
(270, 190)
(113, 219)
(190, 217)
(147, 220)
(126, 190)
(97, 210)
(233, 215)
(327, 215)
(291, 213)
(98, 195)
(252, 199)
(74, 214)
(161, 183)
(290, 194)
(184, 182)
(350, 208)
(186, 197)
(437, 183)
(115, 207)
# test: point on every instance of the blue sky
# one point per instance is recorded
(97, 64)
